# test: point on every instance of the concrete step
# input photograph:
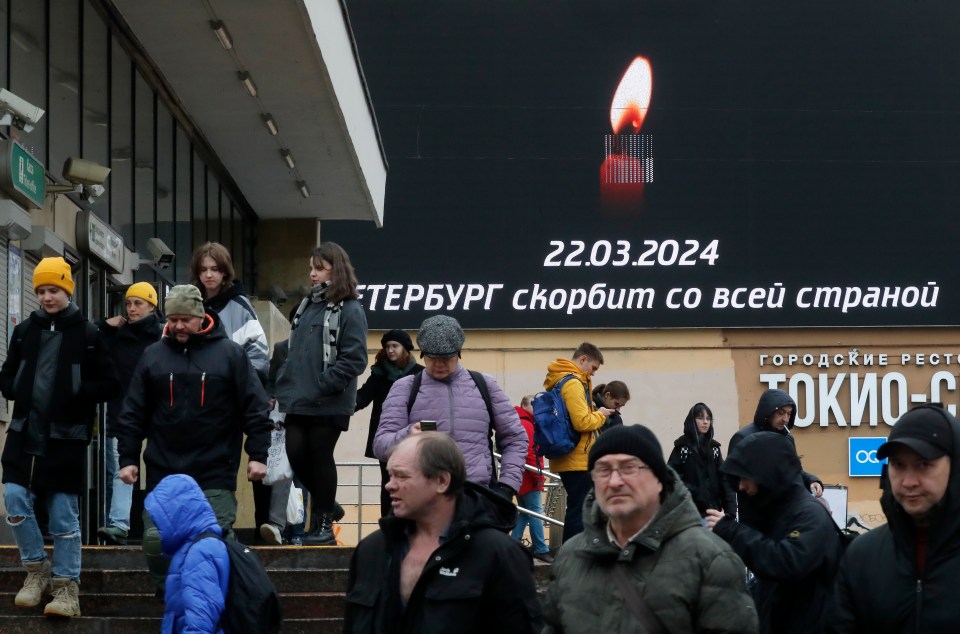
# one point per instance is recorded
(296, 605)
(100, 581)
(117, 625)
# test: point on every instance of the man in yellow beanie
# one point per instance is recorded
(127, 337)
(57, 369)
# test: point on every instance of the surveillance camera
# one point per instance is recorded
(160, 253)
(18, 112)
(83, 172)
(91, 192)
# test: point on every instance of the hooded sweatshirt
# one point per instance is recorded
(879, 588)
(583, 416)
(770, 401)
(697, 460)
(790, 541)
(196, 586)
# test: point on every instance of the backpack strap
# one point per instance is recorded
(414, 390)
(485, 393)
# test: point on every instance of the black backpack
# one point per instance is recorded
(253, 604)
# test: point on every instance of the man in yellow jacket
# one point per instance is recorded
(586, 420)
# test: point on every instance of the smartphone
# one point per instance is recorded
(428, 425)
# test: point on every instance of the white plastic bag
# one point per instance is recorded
(295, 511)
(278, 466)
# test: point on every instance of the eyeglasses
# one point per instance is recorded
(627, 470)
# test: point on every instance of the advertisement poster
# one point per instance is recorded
(682, 164)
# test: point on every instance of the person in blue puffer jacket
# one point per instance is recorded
(199, 573)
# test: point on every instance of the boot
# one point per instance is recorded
(66, 600)
(324, 535)
(36, 584)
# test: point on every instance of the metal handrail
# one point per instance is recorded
(530, 467)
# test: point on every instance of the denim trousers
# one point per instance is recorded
(532, 501)
(119, 494)
(64, 525)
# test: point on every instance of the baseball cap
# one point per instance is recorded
(926, 430)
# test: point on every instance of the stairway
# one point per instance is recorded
(117, 597)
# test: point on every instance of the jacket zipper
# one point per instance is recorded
(203, 387)
(917, 608)
(171, 389)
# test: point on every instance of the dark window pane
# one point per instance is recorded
(63, 115)
(213, 207)
(165, 132)
(183, 199)
(28, 69)
(199, 202)
(143, 168)
(121, 143)
(96, 129)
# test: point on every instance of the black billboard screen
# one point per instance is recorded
(584, 164)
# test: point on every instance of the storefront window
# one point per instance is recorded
(144, 169)
(63, 112)
(28, 69)
(95, 127)
(184, 215)
(121, 142)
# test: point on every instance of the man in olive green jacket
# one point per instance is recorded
(644, 563)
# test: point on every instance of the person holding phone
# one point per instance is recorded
(453, 396)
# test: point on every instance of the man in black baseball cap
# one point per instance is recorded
(915, 554)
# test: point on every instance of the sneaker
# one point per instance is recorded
(113, 535)
(546, 557)
(66, 599)
(36, 584)
(271, 534)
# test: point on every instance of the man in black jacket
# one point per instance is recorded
(443, 561)
(902, 577)
(192, 397)
(776, 412)
(790, 541)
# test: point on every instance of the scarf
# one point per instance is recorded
(331, 321)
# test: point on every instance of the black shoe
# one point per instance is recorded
(323, 536)
(338, 512)
(546, 557)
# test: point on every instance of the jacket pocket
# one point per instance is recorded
(17, 424)
(69, 431)
(75, 379)
(361, 611)
(17, 378)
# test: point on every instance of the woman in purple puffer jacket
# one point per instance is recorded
(448, 394)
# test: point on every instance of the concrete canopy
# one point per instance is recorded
(301, 58)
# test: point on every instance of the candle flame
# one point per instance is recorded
(632, 97)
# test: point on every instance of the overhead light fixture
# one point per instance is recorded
(302, 186)
(285, 153)
(270, 123)
(222, 34)
(244, 77)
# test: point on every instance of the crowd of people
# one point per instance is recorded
(692, 542)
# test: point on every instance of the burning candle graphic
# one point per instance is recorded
(628, 162)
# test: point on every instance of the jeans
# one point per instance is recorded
(577, 484)
(64, 511)
(224, 504)
(532, 501)
(119, 494)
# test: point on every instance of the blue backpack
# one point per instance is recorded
(553, 433)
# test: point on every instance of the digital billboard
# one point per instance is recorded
(667, 163)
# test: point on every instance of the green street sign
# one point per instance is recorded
(22, 176)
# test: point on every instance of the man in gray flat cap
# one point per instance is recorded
(467, 405)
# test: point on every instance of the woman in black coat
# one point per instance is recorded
(393, 362)
(697, 459)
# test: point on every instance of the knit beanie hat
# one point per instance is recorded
(633, 440)
(184, 300)
(53, 272)
(400, 337)
(143, 290)
(440, 336)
